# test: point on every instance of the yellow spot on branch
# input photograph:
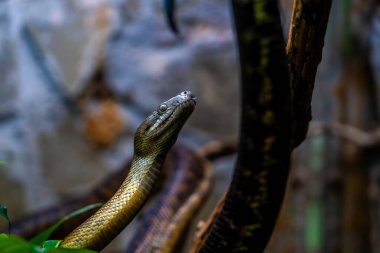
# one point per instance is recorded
(268, 118)
(266, 92)
(268, 143)
(248, 36)
(260, 13)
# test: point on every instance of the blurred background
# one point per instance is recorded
(78, 76)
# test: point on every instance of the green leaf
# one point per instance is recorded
(14, 244)
(3, 165)
(51, 244)
(40, 238)
(4, 214)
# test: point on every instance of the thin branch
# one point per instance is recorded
(304, 49)
(347, 132)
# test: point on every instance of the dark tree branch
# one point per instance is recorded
(304, 49)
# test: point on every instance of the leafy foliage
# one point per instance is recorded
(15, 244)
(51, 244)
(4, 214)
(40, 244)
(3, 165)
(39, 239)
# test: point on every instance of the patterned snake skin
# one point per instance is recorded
(182, 186)
(175, 205)
(153, 139)
(253, 200)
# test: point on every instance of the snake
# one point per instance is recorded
(176, 204)
(152, 141)
(252, 202)
(36, 222)
(250, 206)
(187, 176)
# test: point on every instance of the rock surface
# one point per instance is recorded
(157, 64)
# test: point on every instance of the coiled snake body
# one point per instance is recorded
(153, 139)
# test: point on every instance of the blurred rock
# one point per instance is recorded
(8, 70)
(374, 53)
(70, 165)
(149, 67)
(71, 34)
(41, 140)
(103, 124)
(22, 186)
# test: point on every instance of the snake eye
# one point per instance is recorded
(162, 108)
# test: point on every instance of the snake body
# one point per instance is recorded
(153, 139)
(175, 205)
(187, 176)
(187, 179)
(34, 223)
(252, 203)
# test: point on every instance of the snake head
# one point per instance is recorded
(159, 131)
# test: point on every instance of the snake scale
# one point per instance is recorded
(161, 227)
(153, 139)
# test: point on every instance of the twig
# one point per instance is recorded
(347, 132)
(304, 49)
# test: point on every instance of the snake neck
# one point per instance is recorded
(114, 215)
(144, 172)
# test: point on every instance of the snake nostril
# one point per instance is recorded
(188, 94)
